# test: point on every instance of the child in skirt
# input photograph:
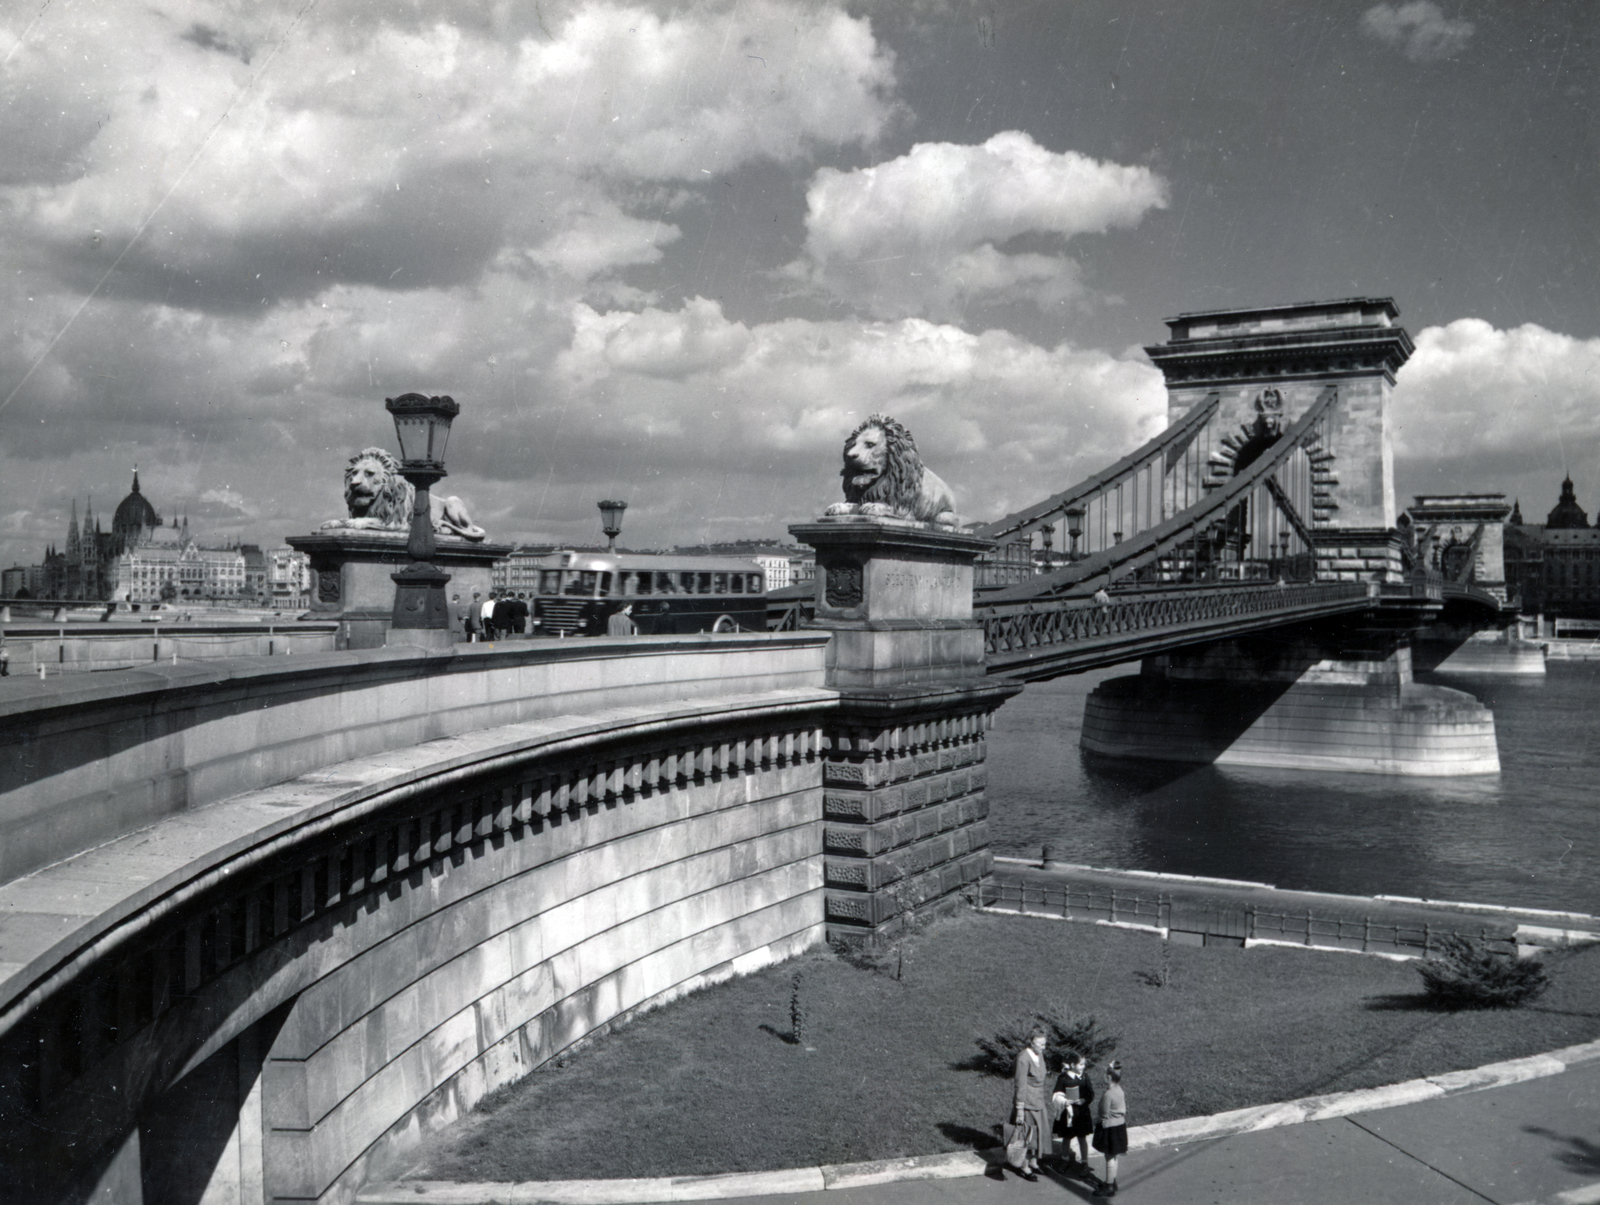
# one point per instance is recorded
(1111, 1134)
(1074, 1095)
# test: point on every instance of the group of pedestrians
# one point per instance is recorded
(1073, 1111)
(502, 614)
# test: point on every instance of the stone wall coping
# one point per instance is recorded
(869, 533)
(159, 682)
(884, 702)
(60, 919)
(892, 625)
(355, 539)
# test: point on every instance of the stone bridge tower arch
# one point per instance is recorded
(1271, 365)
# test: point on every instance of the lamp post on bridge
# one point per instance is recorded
(422, 425)
(1074, 529)
(1048, 534)
(611, 522)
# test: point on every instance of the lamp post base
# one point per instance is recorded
(419, 602)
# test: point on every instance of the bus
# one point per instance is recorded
(577, 592)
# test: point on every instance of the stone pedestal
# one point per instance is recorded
(1343, 701)
(352, 577)
(904, 806)
(1359, 554)
(1491, 651)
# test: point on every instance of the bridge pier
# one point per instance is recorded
(905, 828)
(1309, 699)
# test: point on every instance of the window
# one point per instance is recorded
(665, 584)
(719, 583)
(605, 585)
(756, 583)
(737, 583)
(704, 582)
(642, 583)
(688, 582)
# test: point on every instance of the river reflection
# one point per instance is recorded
(1529, 835)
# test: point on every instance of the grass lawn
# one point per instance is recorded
(711, 1084)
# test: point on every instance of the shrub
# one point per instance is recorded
(1065, 1034)
(1467, 974)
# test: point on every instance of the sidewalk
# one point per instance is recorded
(1514, 1143)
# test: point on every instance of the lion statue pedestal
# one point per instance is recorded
(351, 577)
(353, 559)
(904, 808)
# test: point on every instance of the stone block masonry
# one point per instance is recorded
(905, 812)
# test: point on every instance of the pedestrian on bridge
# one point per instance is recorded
(621, 622)
(486, 616)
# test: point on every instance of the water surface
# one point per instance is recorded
(1529, 835)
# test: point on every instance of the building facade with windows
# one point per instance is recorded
(1554, 568)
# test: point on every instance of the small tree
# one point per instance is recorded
(1468, 974)
(1065, 1033)
(169, 591)
(797, 1011)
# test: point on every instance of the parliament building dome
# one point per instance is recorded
(135, 516)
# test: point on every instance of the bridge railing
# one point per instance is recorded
(1018, 627)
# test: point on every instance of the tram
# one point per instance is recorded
(577, 593)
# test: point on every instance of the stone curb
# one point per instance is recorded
(957, 1164)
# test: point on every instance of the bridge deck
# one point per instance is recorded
(1036, 641)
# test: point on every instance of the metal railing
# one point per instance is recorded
(1414, 938)
(1016, 633)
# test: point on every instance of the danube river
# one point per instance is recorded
(1529, 835)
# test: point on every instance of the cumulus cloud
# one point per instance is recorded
(929, 231)
(1418, 29)
(1491, 409)
(232, 158)
(229, 230)
(1006, 422)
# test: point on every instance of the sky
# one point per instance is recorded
(673, 253)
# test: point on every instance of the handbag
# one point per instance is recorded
(1016, 1138)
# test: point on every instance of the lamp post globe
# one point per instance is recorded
(422, 426)
(611, 521)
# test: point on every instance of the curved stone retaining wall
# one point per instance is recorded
(87, 758)
(272, 998)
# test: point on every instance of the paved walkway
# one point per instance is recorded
(1521, 1140)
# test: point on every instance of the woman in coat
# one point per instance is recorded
(1076, 1100)
(1028, 1109)
(1111, 1134)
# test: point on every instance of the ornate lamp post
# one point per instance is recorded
(1074, 529)
(1047, 534)
(422, 425)
(611, 522)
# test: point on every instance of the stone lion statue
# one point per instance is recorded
(380, 499)
(884, 477)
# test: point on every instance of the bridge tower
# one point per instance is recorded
(1332, 695)
(1266, 367)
